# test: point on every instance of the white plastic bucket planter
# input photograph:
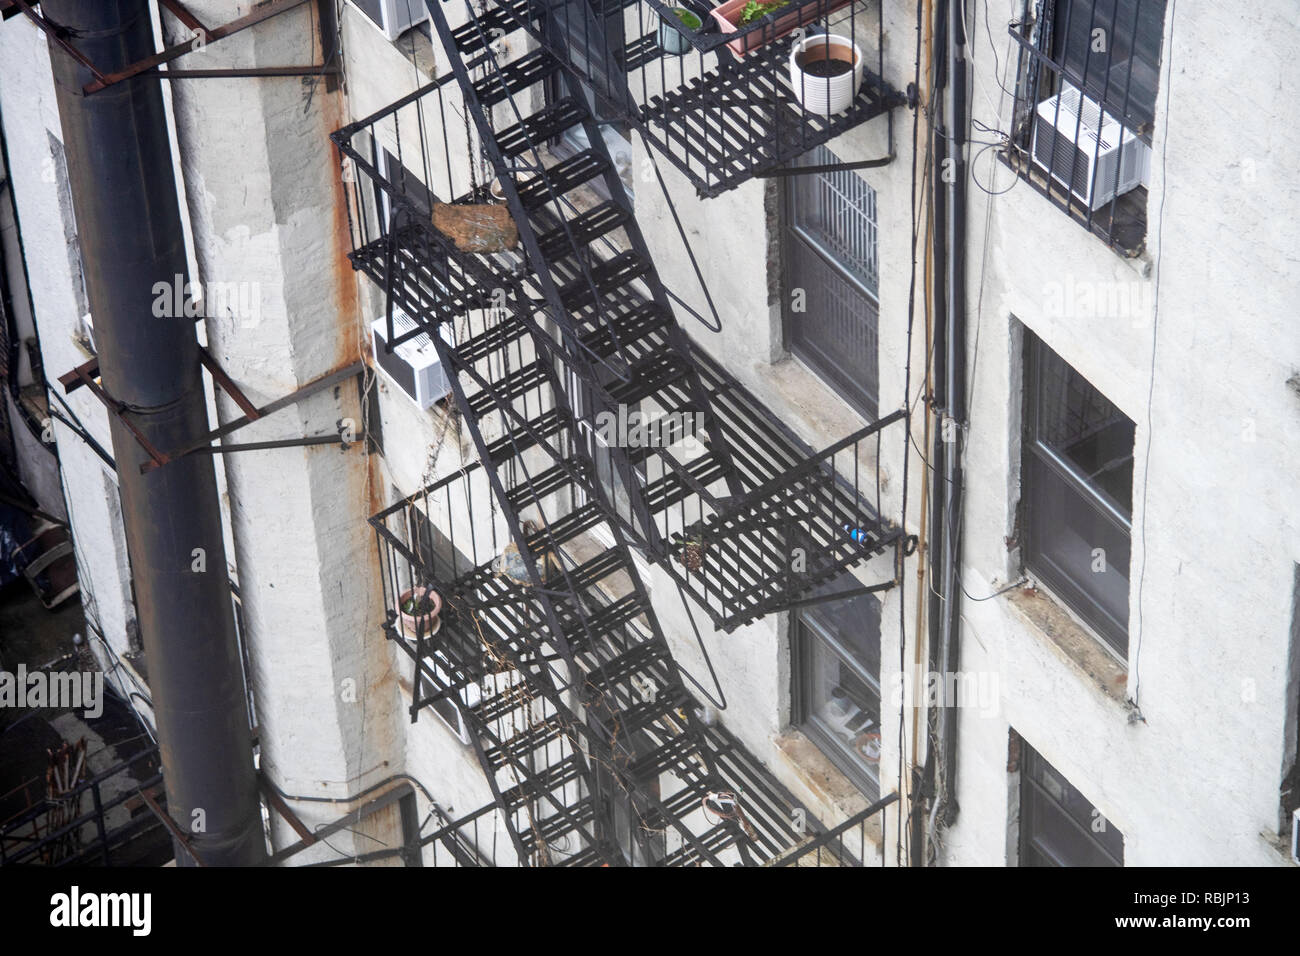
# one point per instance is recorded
(825, 95)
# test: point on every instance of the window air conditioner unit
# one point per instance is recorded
(1089, 152)
(451, 710)
(413, 365)
(393, 17)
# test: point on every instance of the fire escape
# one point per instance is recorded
(548, 653)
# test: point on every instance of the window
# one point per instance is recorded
(596, 53)
(831, 279)
(1058, 826)
(1110, 49)
(1077, 486)
(835, 650)
(406, 181)
(1088, 73)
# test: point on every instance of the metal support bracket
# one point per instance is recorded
(86, 374)
(201, 36)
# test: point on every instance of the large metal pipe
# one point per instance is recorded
(128, 220)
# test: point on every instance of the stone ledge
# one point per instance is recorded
(1075, 642)
(835, 798)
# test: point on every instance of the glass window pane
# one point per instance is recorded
(837, 648)
(837, 211)
(1122, 62)
(1079, 551)
(1083, 427)
(1058, 825)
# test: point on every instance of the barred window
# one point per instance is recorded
(832, 276)
(1088, 74)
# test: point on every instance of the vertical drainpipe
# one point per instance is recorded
(954, 396)
(949, 285)
(124, 198)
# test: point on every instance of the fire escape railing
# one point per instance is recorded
(73, 827)
(718, 98)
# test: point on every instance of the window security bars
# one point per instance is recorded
(1087, 77)
(831, 278)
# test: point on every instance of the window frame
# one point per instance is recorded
(1112, 633)
(1044, 64)
(1031, 791)
(806, 633)
(863, 397)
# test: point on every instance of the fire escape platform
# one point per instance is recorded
(722, 107)
(743, 119)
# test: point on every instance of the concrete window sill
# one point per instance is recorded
(834, 797)
(1079, 646)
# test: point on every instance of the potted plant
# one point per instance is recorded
(671, 39)
(734, 15)
(826, 73)
(418, 609)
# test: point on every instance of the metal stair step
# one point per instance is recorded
(519, 747)
(589, 573)
(531, 491)
(583, 229)
(545, 125)
(502, 15)
(514, 384)
(606, 337)
(624, 269)
(638, 660)
(573, 172)
(554, 777)
(495, 338)
(566, 528)
(608, 620)
(510, 79)
(545, 425)
(649, 377)
(552, 828)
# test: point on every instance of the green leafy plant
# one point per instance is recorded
(416, 606)
(689, 20)
(759, 8)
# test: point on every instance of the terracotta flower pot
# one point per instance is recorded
(416, 625)
(817, 90)
(727, 14)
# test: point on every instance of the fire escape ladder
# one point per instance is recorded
(549, 649)
(605, 302)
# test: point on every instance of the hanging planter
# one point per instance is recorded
(671, 39)
(826, 73)
(417, 610)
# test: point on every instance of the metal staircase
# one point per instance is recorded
(549, 655)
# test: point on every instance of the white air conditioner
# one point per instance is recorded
(451, 710)
(413, 365)
(393, 17)
(1089, 152)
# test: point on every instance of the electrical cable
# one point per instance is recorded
(1155, 331)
